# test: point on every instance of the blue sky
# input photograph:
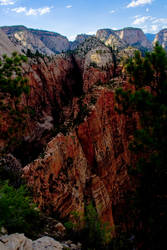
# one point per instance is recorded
(72, 17)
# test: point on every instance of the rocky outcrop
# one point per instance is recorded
(15, 241)
(20, 242)
(78, 40)
(134, 37)
(161, 38)
(6, 46)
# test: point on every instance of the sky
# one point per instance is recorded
(72, 17)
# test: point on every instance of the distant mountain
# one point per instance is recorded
(150, 36)
(22, 38)
(121, 39)
(44, 41)
(134, 37)
(161, 37)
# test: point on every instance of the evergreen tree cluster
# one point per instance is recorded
(148, 98)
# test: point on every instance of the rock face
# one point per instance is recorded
(87, 164)
(103, 34)
(44, 41)
(20, 242)
(161, 38)
(111, 39)
(78, 40)
(54, 41)
(134, 37)
(6, 46)
(15, 241)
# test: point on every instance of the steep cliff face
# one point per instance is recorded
(134, 36)
(89, 161)
(87, 164)
(56, 85)
(161, 38)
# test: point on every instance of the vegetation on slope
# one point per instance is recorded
(148, 97)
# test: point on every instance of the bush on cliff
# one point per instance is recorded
(17, 212)
(12, 86)
(148, 98)
(90, 230)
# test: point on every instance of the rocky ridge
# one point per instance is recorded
(50, 43)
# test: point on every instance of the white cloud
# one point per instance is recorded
(149, 23)
(31, 11)
(135, 3)
(160, 21)
(6, 2)
(147, 9)
(112, 11)
(69, 6)
(139, 20)
(19, 9)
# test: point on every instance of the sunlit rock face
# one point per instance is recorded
(6, 46)
(44, 41)
(161, 38)
(134, 36)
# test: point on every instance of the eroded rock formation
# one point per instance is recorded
(89, 163)
(86, 159)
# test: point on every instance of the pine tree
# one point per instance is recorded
(148, 97)
(12, 86)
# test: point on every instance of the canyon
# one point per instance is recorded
(75, 148)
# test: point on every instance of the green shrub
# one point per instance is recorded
(90, 231)
(17, 212)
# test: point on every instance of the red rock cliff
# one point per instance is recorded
(87, 164)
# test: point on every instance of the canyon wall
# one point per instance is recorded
(75, 147)
(88, 162)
